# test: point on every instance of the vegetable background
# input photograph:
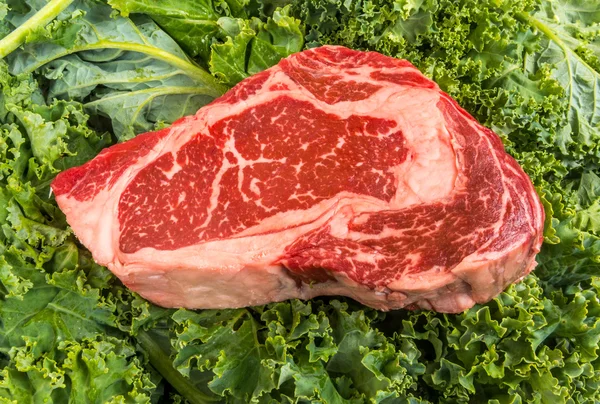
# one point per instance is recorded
(100, 73)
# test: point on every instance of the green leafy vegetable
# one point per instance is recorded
(192, 23)
(125, 69)
(253, 46)
(566, 28)
(234, 45)
(524, 344)
(22, 33)
(70, 332)
(58, 337)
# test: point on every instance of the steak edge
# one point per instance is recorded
(335, 172)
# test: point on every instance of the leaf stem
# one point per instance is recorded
(46, 14)
(190, 69)
(161, 362)
(527, 18)
(154, 92)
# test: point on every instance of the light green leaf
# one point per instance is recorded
(125, 69)
(191, 23)
(561, 24)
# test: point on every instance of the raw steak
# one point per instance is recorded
(336, 172)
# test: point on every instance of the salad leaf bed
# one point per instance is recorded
(78, 76)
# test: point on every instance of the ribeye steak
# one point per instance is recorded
(336, 172)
